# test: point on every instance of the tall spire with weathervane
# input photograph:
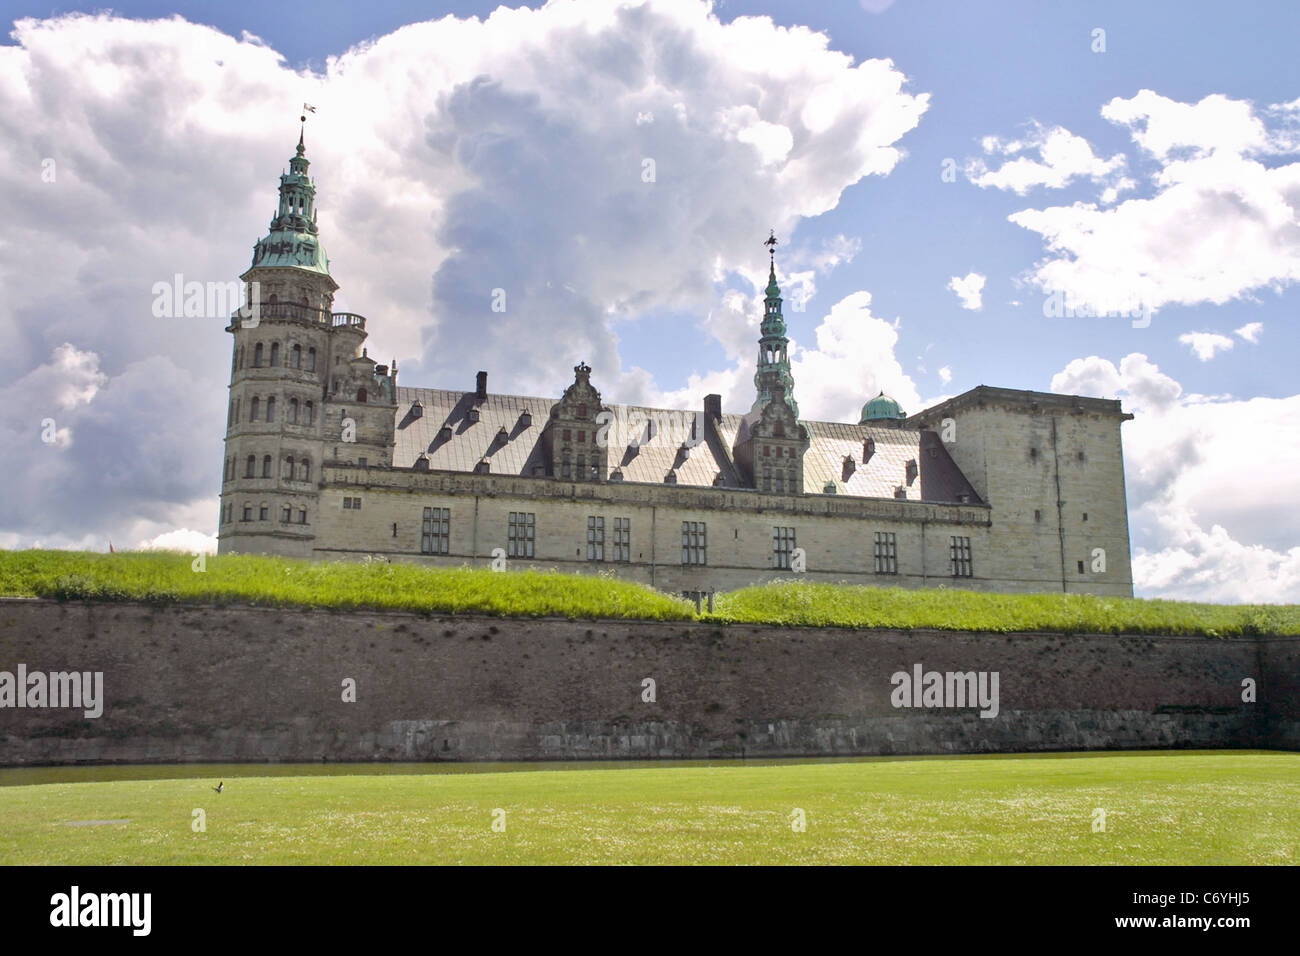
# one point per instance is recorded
(294, 239)
(773, 347)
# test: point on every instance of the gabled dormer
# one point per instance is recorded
(573, 452)
(770, 447)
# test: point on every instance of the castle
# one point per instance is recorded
(327, 457)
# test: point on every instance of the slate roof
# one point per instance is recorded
(519, 450)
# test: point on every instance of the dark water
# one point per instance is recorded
(27, 776)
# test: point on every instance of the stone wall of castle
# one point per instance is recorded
(248, 684)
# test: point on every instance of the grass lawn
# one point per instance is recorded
(160, 577)
(1191, 808)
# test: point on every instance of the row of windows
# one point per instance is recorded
(262, 512)
(583, 471)
(777, 482)
(620, 544)
(263, 357)
(303, 414)
(292, 469)
(614, 543)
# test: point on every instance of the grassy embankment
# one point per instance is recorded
(160, 577)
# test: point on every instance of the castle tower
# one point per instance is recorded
(770, 443)
(773, 346)
(291, 354)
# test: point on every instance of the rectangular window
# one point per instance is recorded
(782, 547)
(695, 542)
(302, 515)
(353, 504)
(262, 513)
(248, 513)
(959, 556)
(886, 552)
(519, 534)
(435, 535)
(622, 539)
(595, 538)
(287, 515)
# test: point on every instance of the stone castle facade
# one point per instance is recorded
(327, 457)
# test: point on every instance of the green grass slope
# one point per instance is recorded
(1186, 808)
(835, 605)
(161, 577)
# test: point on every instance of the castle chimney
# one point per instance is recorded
(713, 406)
(480, 390)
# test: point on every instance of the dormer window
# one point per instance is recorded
(582, 410)
(868, 449)
(911, 470)
(473, 415)
(847, 468)
(525, 419)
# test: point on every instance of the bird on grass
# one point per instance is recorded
(219, 787)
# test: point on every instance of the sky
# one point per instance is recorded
(1098, 199)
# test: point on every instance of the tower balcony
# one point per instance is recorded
(304, 313)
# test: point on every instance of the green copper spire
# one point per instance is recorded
(293, 240)
(773, 346)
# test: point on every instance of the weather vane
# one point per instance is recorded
(770, 242)
(306, 108)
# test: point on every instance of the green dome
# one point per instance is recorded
(882, 406)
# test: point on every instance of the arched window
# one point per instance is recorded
(251, 470)
(288, 467)
(293, 411)
(311, 360)
(296, 357)
(361, 395)
(274, 298)
(308, 411)
(257, 355)
(266, 467)
(270, 409)
(306, 469)
(254, 408)
(275, 353)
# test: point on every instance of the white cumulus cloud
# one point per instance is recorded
(969, 289)
(1206, 344)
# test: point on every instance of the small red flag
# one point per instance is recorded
(110, 546)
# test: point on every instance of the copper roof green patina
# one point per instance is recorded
(882, 406)
(773, 348)
(293, 241)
